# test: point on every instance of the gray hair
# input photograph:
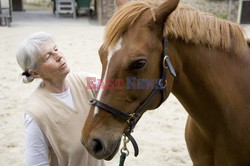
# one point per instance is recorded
(29, 51)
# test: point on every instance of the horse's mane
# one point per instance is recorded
(194, 26)
(185, 23)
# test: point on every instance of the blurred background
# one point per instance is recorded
(101, 10)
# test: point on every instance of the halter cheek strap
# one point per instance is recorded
(133, 118)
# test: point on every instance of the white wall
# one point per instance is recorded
(37, 2)
(5, 3)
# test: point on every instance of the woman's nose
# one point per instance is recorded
(57, 56)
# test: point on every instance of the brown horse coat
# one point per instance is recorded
(212, 61)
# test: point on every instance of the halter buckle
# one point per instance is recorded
(132, 116)
(162, 84)
(92, 102)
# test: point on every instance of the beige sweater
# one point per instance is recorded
(62, 125)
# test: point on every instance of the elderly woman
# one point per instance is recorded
(57, 109)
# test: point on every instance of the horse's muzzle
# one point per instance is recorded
(100, 149)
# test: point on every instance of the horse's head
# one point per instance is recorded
(131, 59)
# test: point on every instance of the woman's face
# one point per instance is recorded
(51, 63)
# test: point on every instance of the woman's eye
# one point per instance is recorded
(139, 64)
(48, 56)
(56, 49)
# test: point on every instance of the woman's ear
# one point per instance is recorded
(34, 74)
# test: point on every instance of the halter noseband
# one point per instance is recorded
(133, 118)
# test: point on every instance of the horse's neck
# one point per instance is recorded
(207, 81)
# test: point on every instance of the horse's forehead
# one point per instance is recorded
(136, 40)
(143, 41)
(138, 30)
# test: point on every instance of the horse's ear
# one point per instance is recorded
(164, 10)
(119, 3)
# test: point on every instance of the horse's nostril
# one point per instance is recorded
(97, 146)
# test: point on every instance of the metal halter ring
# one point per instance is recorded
(164, 83)
(165, 65)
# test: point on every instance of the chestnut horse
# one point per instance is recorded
(211, 58)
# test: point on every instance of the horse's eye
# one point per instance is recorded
(138, 64)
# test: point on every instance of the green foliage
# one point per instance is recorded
(220, 15)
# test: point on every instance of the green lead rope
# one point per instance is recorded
(122, 158)
(124, 151)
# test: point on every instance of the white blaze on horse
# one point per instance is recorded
(205, 63)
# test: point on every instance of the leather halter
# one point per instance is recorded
(133, 118)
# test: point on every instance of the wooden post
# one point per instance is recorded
(99, 11)
(10, 10)
(0, 13)
(229, 9)
(105, 9)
